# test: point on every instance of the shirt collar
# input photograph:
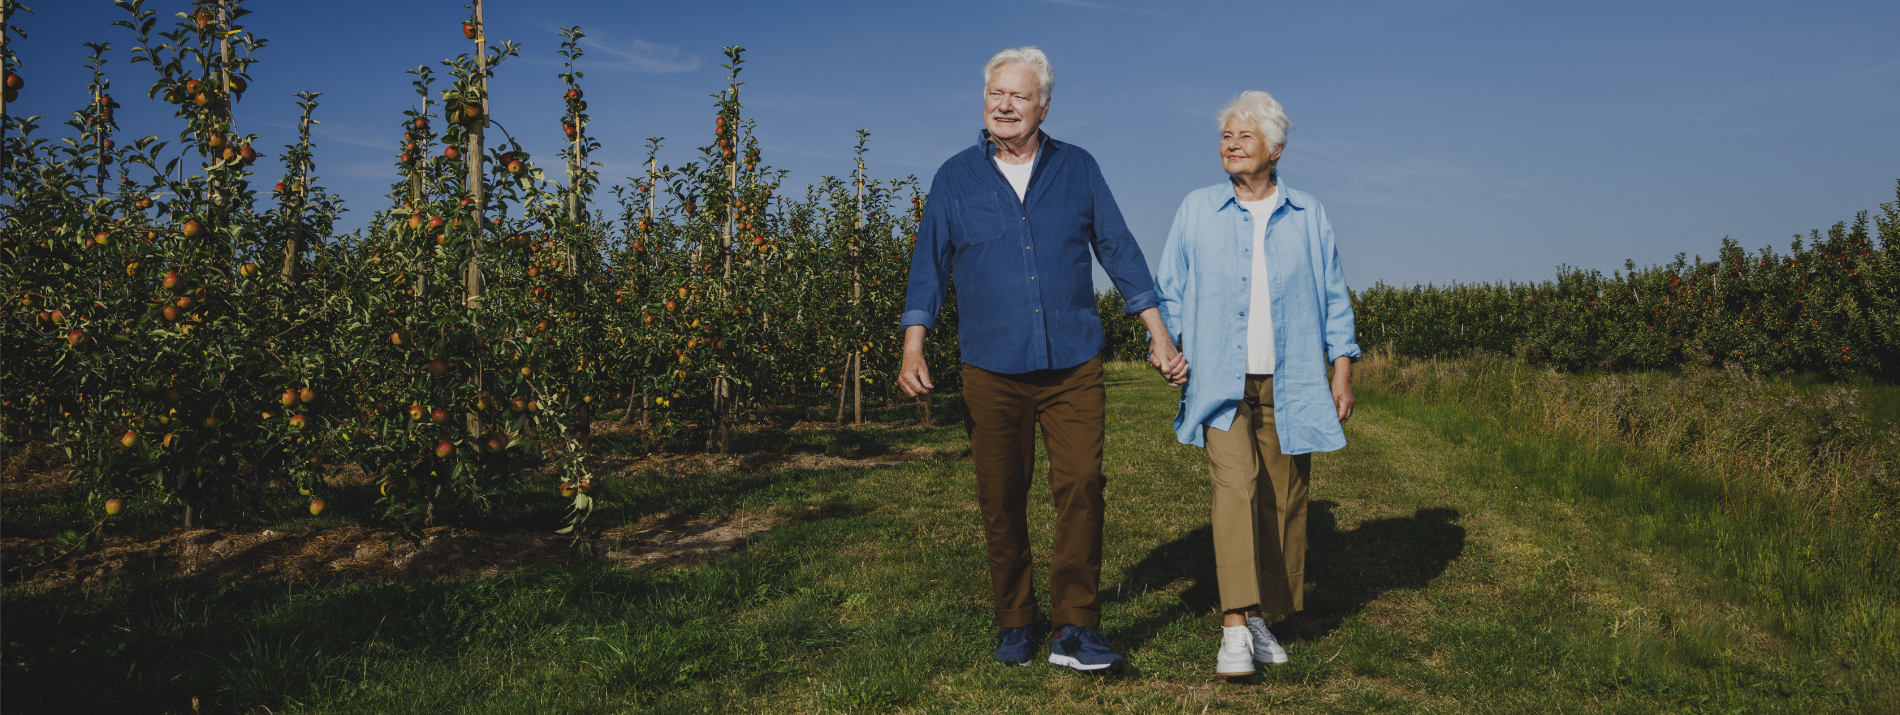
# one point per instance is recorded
(1286, 195)
(988, 145)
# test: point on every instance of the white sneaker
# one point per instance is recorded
(1266, 648)
(1236, 652)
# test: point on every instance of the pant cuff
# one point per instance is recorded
(1015, 617)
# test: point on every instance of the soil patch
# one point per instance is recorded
(330, 557)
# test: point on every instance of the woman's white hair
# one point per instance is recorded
(1029, 57)
(1260, 108)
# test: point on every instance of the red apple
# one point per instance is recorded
(516, 167)
(130, 439)
(444, 449)
(298, 421)
(417, 412)
(497, 444)
(439, 416)
(170, 313)
(113, 506)
(316, 507)
(398, 338)
(307, 395)
(193, 229)
(173, 281)
(438, 367)
(519, 404)
(567, 489)
(77, 338)
(468, 30)
(289, 398)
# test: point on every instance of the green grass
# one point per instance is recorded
(1453, 568)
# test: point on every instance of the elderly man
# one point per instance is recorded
(1250, 280)
(1014, 219)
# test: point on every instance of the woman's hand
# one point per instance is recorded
(1342, 388)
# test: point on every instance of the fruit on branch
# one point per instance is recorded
(439, 416)
(77, 338)
(398, 338)
(308, 395)
(170, 440)
(114, 506)
(215, 141)
(297, 422)
(14, 82)
(516, 167)
(567, 489)
(417, 413)
(171, 313)
(436, 223)
(130, 439)
(572, 94)
(193, 229)
(288, 399)
(451, 152)
(518, 404)
(438, 367)
(444, 449)
(316, 507)
(247, 155)
(469, 29)
(173, 281)
(415, 222)
(496, 443)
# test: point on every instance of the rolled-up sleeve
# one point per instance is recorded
(1339, 331)
(1116, 249)
(930, 263)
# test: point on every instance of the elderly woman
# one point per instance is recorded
(1250, 284)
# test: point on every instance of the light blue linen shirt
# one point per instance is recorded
(1204, 285)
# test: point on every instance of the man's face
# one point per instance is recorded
(1012, 103)
(1243, 151)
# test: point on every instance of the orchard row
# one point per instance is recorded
(1831, 304)
(188, 330)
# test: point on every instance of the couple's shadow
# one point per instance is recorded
(1345, 570)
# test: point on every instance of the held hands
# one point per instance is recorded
(1172, 365)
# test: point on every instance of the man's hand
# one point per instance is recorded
(1342, 388)
(914, 376)
(1172, 365)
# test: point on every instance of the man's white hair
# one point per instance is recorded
(1260, 108)
(1029, 57)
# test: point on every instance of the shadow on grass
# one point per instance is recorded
(1345, 570)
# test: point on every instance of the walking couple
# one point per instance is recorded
(1249, 286)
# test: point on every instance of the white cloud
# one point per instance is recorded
(640, 56)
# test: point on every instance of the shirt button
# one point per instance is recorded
(1025, 218)
(1038, 310)
(1026, 248)
(1032, 278)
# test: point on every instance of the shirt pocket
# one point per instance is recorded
(979, 219)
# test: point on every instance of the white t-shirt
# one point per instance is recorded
(1018, 175)
(1260, 304)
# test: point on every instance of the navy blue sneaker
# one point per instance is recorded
(1082, 648)
(1012, 646)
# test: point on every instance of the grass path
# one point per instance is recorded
(1440, 582)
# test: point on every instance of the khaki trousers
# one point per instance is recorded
(1001, 413)
(1259, 508)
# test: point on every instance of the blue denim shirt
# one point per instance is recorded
(1025, 293)
(1204, 284)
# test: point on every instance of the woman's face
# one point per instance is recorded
(1244, 152)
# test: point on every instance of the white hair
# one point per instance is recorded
(1031, 58)
(1260, 108)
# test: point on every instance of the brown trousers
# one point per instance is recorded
(1001, 413)
(1259, 508)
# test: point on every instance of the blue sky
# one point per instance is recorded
(1449, 141)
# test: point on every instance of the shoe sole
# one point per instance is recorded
(1241, 674)
(1071, 662)
(1275, 660)
(1023, 664)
